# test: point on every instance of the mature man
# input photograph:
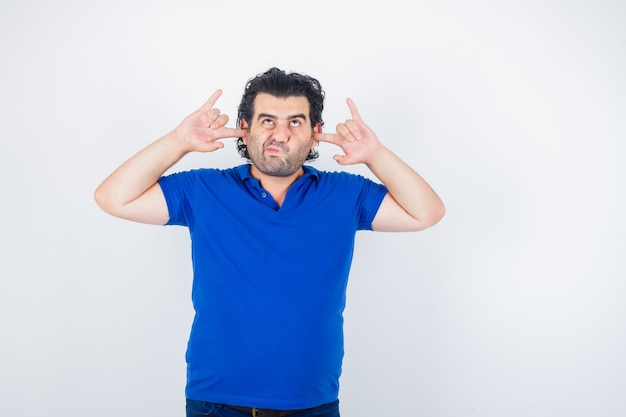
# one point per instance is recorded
(272, 241)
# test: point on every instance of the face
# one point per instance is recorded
(280, 134)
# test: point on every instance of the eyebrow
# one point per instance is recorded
(271, 116)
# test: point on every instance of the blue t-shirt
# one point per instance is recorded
(269, 282)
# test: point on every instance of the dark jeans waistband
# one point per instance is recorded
(208, 409)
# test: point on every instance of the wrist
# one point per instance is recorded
(175, 143)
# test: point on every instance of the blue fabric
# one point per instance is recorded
(269, 282)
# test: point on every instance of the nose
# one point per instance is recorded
(281, 132)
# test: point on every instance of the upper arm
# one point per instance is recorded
(391, 217)
(150, 207)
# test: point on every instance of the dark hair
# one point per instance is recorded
(281, 84)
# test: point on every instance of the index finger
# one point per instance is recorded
(229, 132)
(326, 137)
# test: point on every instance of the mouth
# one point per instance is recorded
(274, 150)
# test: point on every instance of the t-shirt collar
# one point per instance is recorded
(246, 174)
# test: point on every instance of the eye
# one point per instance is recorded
(296, 123)
(267, 122)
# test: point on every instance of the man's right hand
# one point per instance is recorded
(202, 130)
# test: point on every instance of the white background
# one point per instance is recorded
(514, 111)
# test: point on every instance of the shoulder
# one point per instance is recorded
(343, 180)
(335, 175)
(197, 182)
(200, 174)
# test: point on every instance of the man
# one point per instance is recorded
(272, 241)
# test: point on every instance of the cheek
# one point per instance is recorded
(260, 134)
(250, 137)
(254, 139)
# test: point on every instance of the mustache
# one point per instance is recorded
(275, 144)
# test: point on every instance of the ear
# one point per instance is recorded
(316, 129)
(244, 125)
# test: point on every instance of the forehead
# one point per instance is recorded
(281, 107)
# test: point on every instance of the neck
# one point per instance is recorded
(277, 186)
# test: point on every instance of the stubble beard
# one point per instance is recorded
(283, 164)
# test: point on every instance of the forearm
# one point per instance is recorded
(138, 174)
(409, 190)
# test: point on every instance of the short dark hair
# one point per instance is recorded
(280, 83)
